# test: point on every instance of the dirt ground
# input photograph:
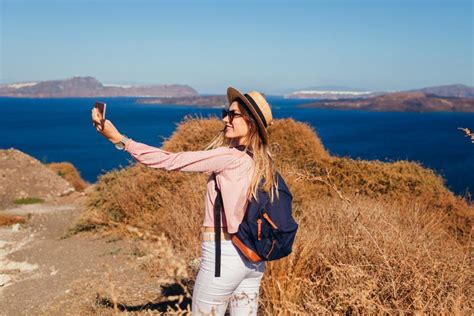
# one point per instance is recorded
(44, 272)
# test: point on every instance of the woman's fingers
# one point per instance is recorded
(96, 121)
(97, 127)
(96, 117)
(103, 126)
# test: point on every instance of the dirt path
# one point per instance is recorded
(41, 272)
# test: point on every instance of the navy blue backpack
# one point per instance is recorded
(267, 231)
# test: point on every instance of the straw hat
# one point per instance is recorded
(258, 108)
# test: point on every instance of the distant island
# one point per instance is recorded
(330, 93)
(211, 101)
(451, 98)
(345, 93)
(90, 87)
(454, 90)
(399, 102)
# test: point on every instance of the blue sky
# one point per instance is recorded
(271, 46)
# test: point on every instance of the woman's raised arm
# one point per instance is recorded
(214, 160)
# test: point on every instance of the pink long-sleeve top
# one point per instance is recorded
(233, 169)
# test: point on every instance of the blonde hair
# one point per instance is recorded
(262, 157)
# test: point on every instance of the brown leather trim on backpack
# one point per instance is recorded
(270, 221)
(247, 252)
(271, 249)
(259, 229)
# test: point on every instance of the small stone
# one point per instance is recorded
(16, 227)
(4, 279)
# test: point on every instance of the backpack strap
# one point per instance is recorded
(217, 228)
(217, 220)
(242, 148)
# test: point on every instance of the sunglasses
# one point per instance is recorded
(231, 114)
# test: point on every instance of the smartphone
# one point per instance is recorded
(101, 106)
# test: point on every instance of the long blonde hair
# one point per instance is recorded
(262, 157)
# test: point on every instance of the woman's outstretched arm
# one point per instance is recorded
(214, 160)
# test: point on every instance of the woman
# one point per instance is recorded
(237, 175)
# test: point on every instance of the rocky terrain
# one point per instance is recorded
(90, 87)
(23, 176)
(44, 270)
(47, 268)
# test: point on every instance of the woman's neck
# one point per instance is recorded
(237, 142)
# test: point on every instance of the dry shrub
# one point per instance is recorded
(7, 219)
(370, 257)
(287, 138)
(374, 236)
(193, 133)
(296, 143)
(398, 181)
(69, 173)
(161, 260)
(376, 178)
(154, 200)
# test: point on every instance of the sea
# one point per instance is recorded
(60, 129)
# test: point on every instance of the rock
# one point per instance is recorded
(4, 279)
(16, 227)
(66, 192)
(20, 266)
(24, 176)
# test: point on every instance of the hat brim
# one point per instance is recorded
(233, 94)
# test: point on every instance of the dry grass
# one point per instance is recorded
(69, 173)
(192, 134)
(375, 237)
(370, 257)
(157, 256)
(7, 220)
(28, 200)
(153, 200)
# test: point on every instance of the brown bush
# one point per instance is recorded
(370, 257)
(194, 133)
(69, 173)
(154, 200)
(400, 181)
(296, 143)
(7, 219)
(374, 236)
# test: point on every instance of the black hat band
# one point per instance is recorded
(257, 109)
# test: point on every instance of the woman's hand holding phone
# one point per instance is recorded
(105, 127)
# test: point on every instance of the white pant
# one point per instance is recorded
(238, 284)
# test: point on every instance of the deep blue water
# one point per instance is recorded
(54, 130)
